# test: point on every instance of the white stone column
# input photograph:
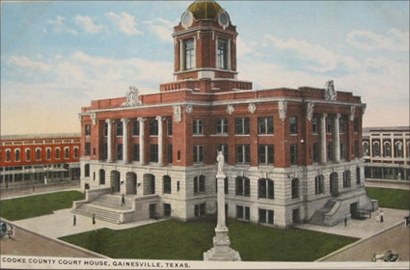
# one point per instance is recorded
(323, 150)
(336, 137)
(160, 140)
(109, 139)
(392, 146)
(404, 145)
(221, 226)
(141, 139)
(125, 139)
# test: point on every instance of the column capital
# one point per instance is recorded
(141, 119)
(338, 115)
(324, 115)
(159, 118)
(125, 120)
(109, 121)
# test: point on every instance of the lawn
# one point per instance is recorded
(390, 198)
(187, 241)
(38, 205)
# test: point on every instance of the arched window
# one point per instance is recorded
(346, 179)
(199, 184)
(66, 153)
(376, 149)
(28, 154)
(358, 179)
(242, 186)
(398, 149)
(87, 170)
(38, 154)
(265, 188)
(17, 155)
(58, 153)
(387, 149)
(366, 149)
(102, 177)
(319, 184)
(295, 188)
(48, 153)
(8, 155)
(167, 187)
(75, 152)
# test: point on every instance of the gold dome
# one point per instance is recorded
(205, 9)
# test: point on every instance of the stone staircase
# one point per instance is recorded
(318, 217)
(105, 207)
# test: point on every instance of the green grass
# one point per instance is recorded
(38, 205)
(187, 241)
(390, 198)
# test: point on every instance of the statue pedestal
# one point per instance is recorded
(221, 250)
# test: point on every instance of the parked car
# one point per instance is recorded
(389, 256)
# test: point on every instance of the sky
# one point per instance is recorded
(57, 56)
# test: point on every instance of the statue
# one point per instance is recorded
(221, 161)
(132, 97)
(330, 93)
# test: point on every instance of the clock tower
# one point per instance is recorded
(205, 50)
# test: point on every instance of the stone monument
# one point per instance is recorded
(221, 250)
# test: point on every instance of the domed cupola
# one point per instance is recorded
(203, 10)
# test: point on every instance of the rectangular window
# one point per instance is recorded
(198, 153)
(105, 151)
(315, 125)
(200, 210)
(342, 125)
(293, 125)
(169, 126)
(189, 54)
(153, 154)
(170, 153)
(222, 53)
(222, 126)
(135, 128)
(243, 153)
(293, 154)
(356, 125)
(136, 152)
(105, 129)
(167, 210)
(119, 151)
(329, 125)
(242, 126)
(330, 151)
(167, 185)
(199, 184)
(87, 130)
(265, 125)
(266, 216)
(316, 152)
(224, 149)
(87, 149)
(153, 127)
(197, 127)
(242, 212)
(266, 154)
(119, 129)
(342, 150)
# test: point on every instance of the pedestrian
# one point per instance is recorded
(12, 232)
(122, 200)
(345, 221)
(74, 220)
(381, 217)
(93, 219)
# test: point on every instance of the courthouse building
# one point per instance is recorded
(291, 155)
(386, 151)
(35, 159)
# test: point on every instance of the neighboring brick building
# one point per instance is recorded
(386, 151)
(289, 152)
(33, 159)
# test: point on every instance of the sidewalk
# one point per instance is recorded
(60, 224)
(39, 189)
(362, 228)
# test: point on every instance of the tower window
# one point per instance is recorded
(189, 54)
(222, 53)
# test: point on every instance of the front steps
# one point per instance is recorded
(105, 207)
